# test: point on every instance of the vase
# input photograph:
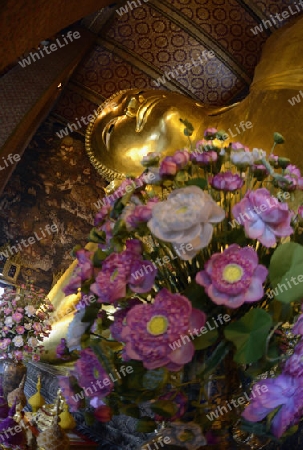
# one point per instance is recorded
(13, 372)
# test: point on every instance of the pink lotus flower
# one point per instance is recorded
(140, 214)
(151, 330)
(237, 147)
(151, 159)
(204, 158)
(168, 167)
(210, 133)
(181, 158)
(227, 181)
(264, 217)
(300, 211)
(233, 277)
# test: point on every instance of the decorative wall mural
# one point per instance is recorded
(48, 204)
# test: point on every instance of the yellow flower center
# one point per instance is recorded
(157, 325)
(96, 373)
(181, 210)
(232, 273)
(114, 275)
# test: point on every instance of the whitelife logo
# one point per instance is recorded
(11, 159)
(48, 49)
(76, 126)
(297, 99)
(131, 5)
(285, 15)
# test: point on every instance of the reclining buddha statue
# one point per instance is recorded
(132, 123)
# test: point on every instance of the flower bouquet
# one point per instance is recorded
(24, 322)
(194, 285)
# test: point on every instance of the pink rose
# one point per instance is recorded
(17, 317)
(37, 327)
(20, 329)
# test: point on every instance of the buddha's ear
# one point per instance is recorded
(221, 109)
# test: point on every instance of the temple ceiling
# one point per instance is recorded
(143, 46)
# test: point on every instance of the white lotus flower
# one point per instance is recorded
(258, 154)
(242, 158)
(186, 217)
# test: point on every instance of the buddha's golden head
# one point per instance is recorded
(134, 122)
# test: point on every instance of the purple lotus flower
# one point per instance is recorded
(227, 181)
(142, 276)
(168, 167)
(103, 213)
(264, 217)
(152, 329)
(233, 277)
(140, 214)
(119, 316)
(210, 133)
(203, 158)
(110, 285)
(294, 364)
(89, 372)
(284, 391)
(62, 351)
(179, 400)
(120, 269)
(298, 326)
(83, 272)
(69, 394)
(181, 158)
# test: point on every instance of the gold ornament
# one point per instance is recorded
(36, 400)
(67, 422)
(54, 438)
(18, 394)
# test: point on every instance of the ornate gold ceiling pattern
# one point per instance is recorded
(135, 49)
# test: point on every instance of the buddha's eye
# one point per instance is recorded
(111, 128)
(131, 107)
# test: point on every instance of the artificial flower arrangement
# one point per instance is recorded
(186, 280)
(24, 322)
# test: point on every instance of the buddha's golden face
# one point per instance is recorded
(133, 123)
